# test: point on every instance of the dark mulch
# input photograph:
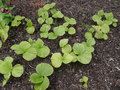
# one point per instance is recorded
(103, 71)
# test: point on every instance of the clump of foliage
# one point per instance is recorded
(30, 28)
(40, 78)
(84, 80)
(8, 70)
(5, 18)
(31, 49)
(18, 20)
(81, 52)
(51, 28)
(104, 21)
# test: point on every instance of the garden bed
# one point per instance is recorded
(103, 71)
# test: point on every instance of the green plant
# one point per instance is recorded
(8, 70)
(84, 50)
(17, 21)
(31, 49)
(5, 18)
(30, 28)
(40, 78)
(51, 28)
(84, 80)
(81, 52)
(104, 21)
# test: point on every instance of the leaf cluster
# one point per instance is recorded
(5, 19)
(8, 70)
(84, 80)
(81, 52)
(31, 49)
(18, 20)
(40, 78)
(51, 28)
(104, 21)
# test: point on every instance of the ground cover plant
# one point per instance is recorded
(84, 79)
(40, 79)
(103, 25)
(31, 49)
(51, 28)
(54, 25)
(81, 52)
(8, 70)
(5, 18)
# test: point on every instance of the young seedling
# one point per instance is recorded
(84, 80)
(48, 17)
(81, 52)
(30, 28)
(84, 50)
(8, 70)
(17, 21)
(31, 49)
(40, 78)
(104, 21)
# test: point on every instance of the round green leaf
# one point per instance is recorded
(66, 49)
(45, 28)
(85, 58)
(44, 69)
(72, 21)
(30, 30)
(114, 24)
(71, 30)
(41, 20)
(45, 15)
(96, 18)
(105, 28)
(44, 85)
(78, 48)
(52, 36)
(44, 35)
(63, 42)
(91, 41)
(5, 68)
(53, 11)
(8, 59)
(40, 11)
(67, 58)
(58, 14)
(59, 31)
(43, 52)
(36, 78)
(17, 70)
(56, 60)
(49, 21)
(30, 54)
(88, 35)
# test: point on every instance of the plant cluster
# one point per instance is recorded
(84, 80)
(40, 78)
(5, 18)
(51, 28)
(104, 21)
(31, 49)
(18, 20)
(81, 52)
(8, 70)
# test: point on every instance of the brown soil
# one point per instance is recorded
(103, 71)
